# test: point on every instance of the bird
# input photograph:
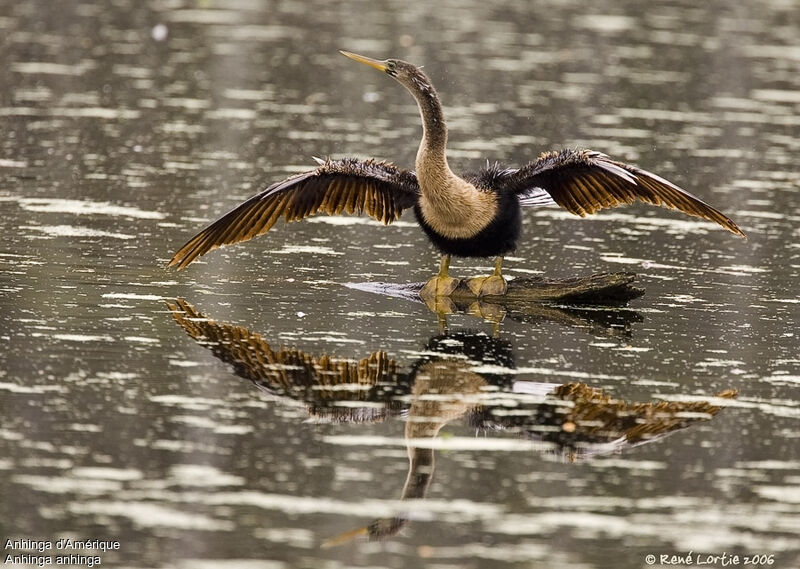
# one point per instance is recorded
(475, 215)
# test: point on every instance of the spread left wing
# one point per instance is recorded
(584, 181)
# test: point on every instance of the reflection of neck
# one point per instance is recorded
(431, 409)
(420, 473)
(426, 417)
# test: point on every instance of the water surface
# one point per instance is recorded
(126, 126)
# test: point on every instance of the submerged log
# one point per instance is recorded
(600, 288)
(604, 289)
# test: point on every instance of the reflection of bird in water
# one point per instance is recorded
(478, 215)
(460, 374)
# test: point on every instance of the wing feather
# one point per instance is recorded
(378, 189)
(584, 182)
(318, 380)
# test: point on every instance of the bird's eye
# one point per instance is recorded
(391, 67)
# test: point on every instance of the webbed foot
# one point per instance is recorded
(494, 285)
(439, 286)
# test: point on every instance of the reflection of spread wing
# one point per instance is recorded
(378, 189)
(584, 181)
(584, 421)
(287, 372)
(594, 416)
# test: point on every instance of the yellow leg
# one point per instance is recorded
(494, 285)
(442, 284)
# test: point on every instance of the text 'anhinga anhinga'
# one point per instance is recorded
(478, 215)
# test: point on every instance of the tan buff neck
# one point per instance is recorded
(452, 206)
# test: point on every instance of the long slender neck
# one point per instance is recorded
(431, 156)
(434, 129)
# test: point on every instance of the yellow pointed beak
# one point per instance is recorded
(379, 65)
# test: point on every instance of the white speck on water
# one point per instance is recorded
(75, 231)
(783, 379)
(232, 114)
(183, 363)
(95, 113)
(132, 296)
(172, 165)
(247, 94)
(28, 389)
(605, 23)
(233, 429)
(106, 473)
(195, 421)
(333, 339)
(301, 314)
(631, 464)
(68, 485)
(82, 207)
(151, 515)
(684, 298)
(6, 163)
(48, 68)
(654, 383)
(770, 464)
(191, 403)
(450, 443)
(82, 338)
(210, 16)
(547, 372)
(295, 537)
(534, 388)
(141, 339)
(776, 95)
(735, 270)
(159, 32)
(84, 428)
(463, 510)
(316, 250)
(783, 494)
(202, 475)
(712, 363)
(230, 563)
(188, 103)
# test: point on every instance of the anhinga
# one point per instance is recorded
(478, 215)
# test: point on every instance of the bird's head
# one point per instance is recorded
(405, 73)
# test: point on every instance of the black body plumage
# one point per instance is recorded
(498, 238)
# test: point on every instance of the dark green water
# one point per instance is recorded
(117, 144)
